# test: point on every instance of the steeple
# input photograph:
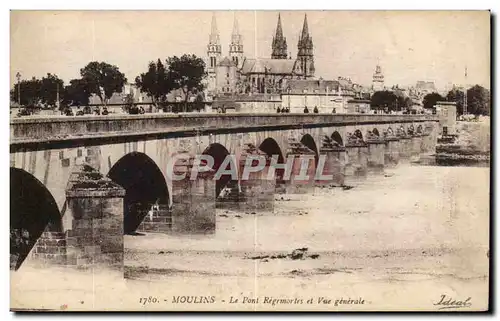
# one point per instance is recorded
(214, 34)
(279, 46)
(213, 47)
(305, 56)
(235, 37)
(279, 29)
(236, 45)
(214, 51)
(305, 28)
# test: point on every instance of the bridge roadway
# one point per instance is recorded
(38, 132)
(79, 183)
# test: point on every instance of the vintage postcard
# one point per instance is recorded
(250, 160)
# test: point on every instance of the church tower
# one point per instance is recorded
(236, 45)
(305, 57)
(279, 43)
(214, 51)
(378, 79)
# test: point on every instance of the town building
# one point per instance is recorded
(329, 96)
(425, 87)
(358, 106)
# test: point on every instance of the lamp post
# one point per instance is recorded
(57, 97)
(18, 76)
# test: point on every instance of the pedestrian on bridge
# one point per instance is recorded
(306, 111)
(316, 109)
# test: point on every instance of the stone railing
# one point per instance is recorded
(40, 130)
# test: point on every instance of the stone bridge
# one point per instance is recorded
(79, 183)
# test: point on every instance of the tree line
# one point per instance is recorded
(478, 100)
(102, 79)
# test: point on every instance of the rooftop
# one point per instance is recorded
(272, 66)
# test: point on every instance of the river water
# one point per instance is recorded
(398, 240)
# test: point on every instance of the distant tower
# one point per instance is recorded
(378, 79)
(279, 46)
(236, 45)
(214, 51)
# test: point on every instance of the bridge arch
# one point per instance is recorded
(272, 148)
(308, 141)
(32, 211)
(219, 153)
(337, 138)
(144, 186)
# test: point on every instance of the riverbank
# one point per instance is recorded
(471, 146)
(397, 241)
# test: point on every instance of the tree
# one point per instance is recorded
(187, 73)
(478, 100)
(382, 100)
(49, 88)
(103, 80)
(456, 96)
(76, 93)
(156, 83)
(31, 92)
(430, 100)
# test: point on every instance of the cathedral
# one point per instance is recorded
(236, 74)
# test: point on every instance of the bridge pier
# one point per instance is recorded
(426, 144)
(356, 157)
(429, 140)
(193, 200)
(49, 249)
(93, 220)
(405, 148)
(391, 152)
(416, 147)
(376, 153)
(334, 163)
(257, 192)
(302, 169)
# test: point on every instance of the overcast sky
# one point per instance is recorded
(410, 46)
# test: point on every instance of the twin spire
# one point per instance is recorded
(305, 29)
(214, 34)
(279, 45)
(235, 36)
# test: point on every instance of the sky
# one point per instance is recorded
(408, 45)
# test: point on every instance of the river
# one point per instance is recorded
(394, 241)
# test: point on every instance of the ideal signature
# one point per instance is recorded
(450, 303)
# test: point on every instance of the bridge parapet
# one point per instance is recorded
(42, 130)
